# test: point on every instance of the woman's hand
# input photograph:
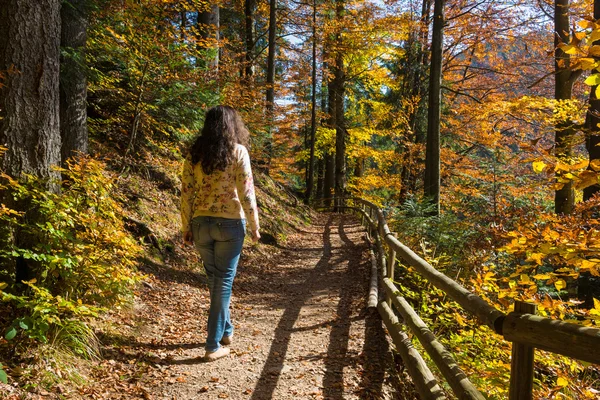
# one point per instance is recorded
(255, 235)
(188, 238)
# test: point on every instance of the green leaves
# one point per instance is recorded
(85, 259)
(10, 334)
(3, 376)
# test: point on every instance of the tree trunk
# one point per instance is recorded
(564, 198)
(29, 96)
(138, 110)
(359, 168)
(340, 130)
(417, 90)
(330, 158)
(29, 105)
(329, 178)
(208, 28)
(425, 13)
(320, 178)
(406, 175)
(313, 111)
(338, 94)
(73, 79)
(271, 78)
(592, 121)
(271, 55)
(249, 33)
(183, 26)
(432, 154)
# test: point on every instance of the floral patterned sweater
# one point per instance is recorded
(226, 194)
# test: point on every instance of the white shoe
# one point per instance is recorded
(215, 355)
(227, 340)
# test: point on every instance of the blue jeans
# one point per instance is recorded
(219, 242)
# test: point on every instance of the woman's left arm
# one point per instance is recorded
(187, 197)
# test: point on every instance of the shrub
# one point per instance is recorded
(80, 258)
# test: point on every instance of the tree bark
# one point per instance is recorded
(338, 93)
(183, 25)
(320, 178)
(208, 28)
(313, 111)
(270, 106)
(73, 79)
(417, 121)
(329, 179)
(271, 56)
(340, 130)
(359, 168)
(432, 154)
(29, 106)
(29, 96)
(419, 88)
(330, 159)
(592, 121)
(249, 33)
(564, 198)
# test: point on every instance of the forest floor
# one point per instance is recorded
(303, 329)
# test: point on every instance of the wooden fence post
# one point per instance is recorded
(362, 216)
(521, 368)
(369, 223)
(390, 270)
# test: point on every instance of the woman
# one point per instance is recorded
(217, 200)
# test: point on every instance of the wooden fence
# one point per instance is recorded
(525, 330)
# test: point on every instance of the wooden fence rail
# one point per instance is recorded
(524, 329)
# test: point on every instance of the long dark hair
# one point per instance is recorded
(213, 149)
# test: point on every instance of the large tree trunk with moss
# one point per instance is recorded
(29, 104)
(29, 94)
(73, 79)
(432, 154)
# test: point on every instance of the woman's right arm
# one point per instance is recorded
(187, 196)
(245, 187)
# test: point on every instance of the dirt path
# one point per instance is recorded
(302, 327)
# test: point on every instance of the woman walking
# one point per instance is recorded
(217, 201)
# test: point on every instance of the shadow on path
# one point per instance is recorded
(351, 290)
(265, 387)
(376, 356)
(337, 350)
